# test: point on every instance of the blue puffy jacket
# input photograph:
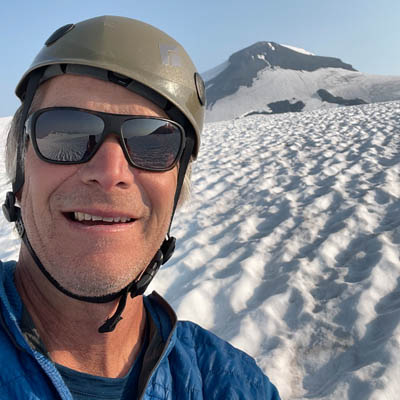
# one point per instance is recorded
(182, 361)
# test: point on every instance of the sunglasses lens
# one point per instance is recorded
(152, 144)
(67, 135)
(72, 136)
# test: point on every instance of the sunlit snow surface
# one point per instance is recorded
(298, 49)
(280, 84)
(289, 248)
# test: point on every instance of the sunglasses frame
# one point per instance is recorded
(112, 126)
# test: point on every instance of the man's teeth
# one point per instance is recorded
(79, 216)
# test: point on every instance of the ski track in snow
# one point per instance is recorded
(289, 247)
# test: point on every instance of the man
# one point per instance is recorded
(111, 114)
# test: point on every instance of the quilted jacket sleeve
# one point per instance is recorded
(225, 372)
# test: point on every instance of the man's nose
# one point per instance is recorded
(109, 167)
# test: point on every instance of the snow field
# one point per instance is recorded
(289, 247)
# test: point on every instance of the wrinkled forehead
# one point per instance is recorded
(94, 94)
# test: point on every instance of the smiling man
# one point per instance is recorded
(98, 153)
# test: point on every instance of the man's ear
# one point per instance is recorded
(18, 196)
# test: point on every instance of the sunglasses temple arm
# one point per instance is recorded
(183, 165)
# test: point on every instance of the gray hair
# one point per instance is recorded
(16, 138)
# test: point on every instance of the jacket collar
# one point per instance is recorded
(162, 322)
(16, 321)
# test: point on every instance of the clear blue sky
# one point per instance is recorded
(364, 33)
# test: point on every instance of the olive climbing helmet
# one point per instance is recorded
(142, 59)
(130, 53)
(136, 54)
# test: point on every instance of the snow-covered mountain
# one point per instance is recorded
(290, 246)
(271, 78)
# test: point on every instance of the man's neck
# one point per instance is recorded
(69, 328)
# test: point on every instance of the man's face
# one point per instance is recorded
(90, 258)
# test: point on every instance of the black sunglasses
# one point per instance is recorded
(68, 135)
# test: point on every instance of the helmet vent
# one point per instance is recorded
(200, 88)
(58, 33)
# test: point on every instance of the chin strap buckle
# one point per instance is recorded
(13, 213)
(168, 248)
(160, 258)
(10, 211)
(137, 288)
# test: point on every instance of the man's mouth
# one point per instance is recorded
(89, 219)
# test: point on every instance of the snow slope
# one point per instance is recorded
(258, 77)
(279, 84)
(298, 49)
(289, 248)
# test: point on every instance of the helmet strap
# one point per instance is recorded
(183, 165)
(32, 86)
(10, 210)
